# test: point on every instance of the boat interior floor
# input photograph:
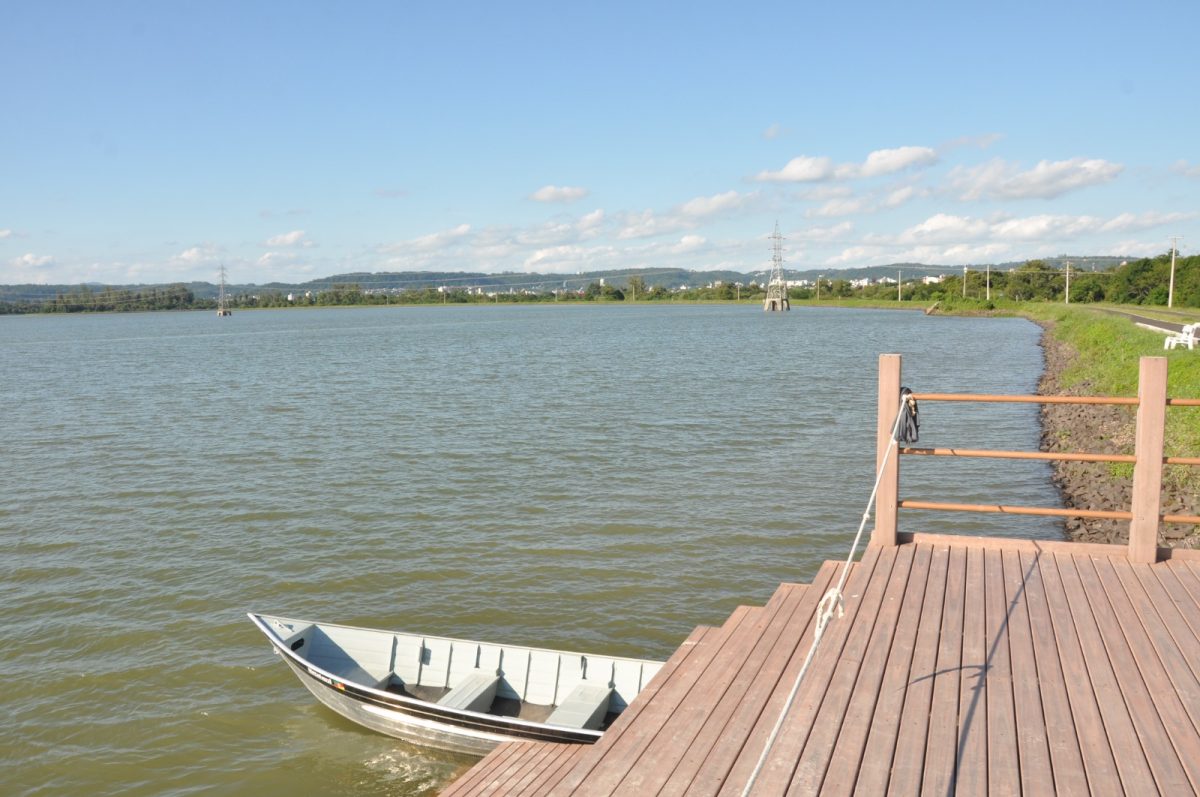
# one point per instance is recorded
(501, 706)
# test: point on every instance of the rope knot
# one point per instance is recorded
(832, 600)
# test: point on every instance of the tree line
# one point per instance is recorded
(1144, 282)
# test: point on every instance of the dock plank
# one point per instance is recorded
(692, 730)
(1114, 619)
(706, 776)
(1001, 613)
(908, 763)
(871, 765)
(957, 669)
(971, 761)
(779, 766)
(1178, 614)
(551, 770)
(1079, 751)
(844, 721)
(1146, 646)
(1098, 759)
(1118, 725)
(863, 753)
(1028, 684)
(483, 773)
(941, 740)
(607, 761)
(522, 763)
(679, 779)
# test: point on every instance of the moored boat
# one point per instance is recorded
(456, 694)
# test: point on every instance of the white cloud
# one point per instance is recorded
(589, 222)
(773, 132)
(647, 223)
(569, 258)
(30, 260)
(998, 179)
(1182, 167)
(1133, 248)
(899, 196)
(293, 238)
(943, 227)
(1045, 227)
(822, 234)
(803, 169)
(688, 243)
(206, 252)
(5, 234)
(709, 205)
(889, 161)
(824, 193)
(37, 269)
(554, 193)
(438, 240)
(269, 259)
(808, 169)
(1144, 221)
(840, 207)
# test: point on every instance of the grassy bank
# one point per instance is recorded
(1107, 349)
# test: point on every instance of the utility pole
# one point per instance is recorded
(819, 278)
(777, 292)
(899, 292)
(989, 282)
(1068, 301)
(964, 282)
(1171, 287)
(222, 299)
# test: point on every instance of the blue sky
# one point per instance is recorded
(153, 142)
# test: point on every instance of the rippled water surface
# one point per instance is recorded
(593, 478)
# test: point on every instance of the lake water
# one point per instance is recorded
(584, 477)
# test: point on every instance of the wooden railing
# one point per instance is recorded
(1144, 515)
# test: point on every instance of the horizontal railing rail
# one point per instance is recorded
(1143, 516)
(997, 398)
(1062, 456)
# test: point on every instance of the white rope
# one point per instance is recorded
(829, 603)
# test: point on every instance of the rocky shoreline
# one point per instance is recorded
(1099, 429)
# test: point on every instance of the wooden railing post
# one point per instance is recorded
(888, 496)
(1148, 452)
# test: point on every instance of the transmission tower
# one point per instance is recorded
(777, 298)
(222, 299)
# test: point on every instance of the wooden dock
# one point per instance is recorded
(957, 669)
(961, 666)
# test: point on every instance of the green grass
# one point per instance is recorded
(1109, 347)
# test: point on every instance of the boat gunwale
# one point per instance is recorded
(425, 708)
(457, 639)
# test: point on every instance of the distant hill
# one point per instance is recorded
(394, 281)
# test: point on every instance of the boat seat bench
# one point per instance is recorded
(584, 707)
(473, 693)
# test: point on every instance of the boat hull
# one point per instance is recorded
(457, 695)
(425, 723)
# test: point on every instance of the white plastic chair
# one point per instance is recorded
(1185, 337)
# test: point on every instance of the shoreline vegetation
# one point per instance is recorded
(1089, 349)
(1149, 281)
(1089, 352)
